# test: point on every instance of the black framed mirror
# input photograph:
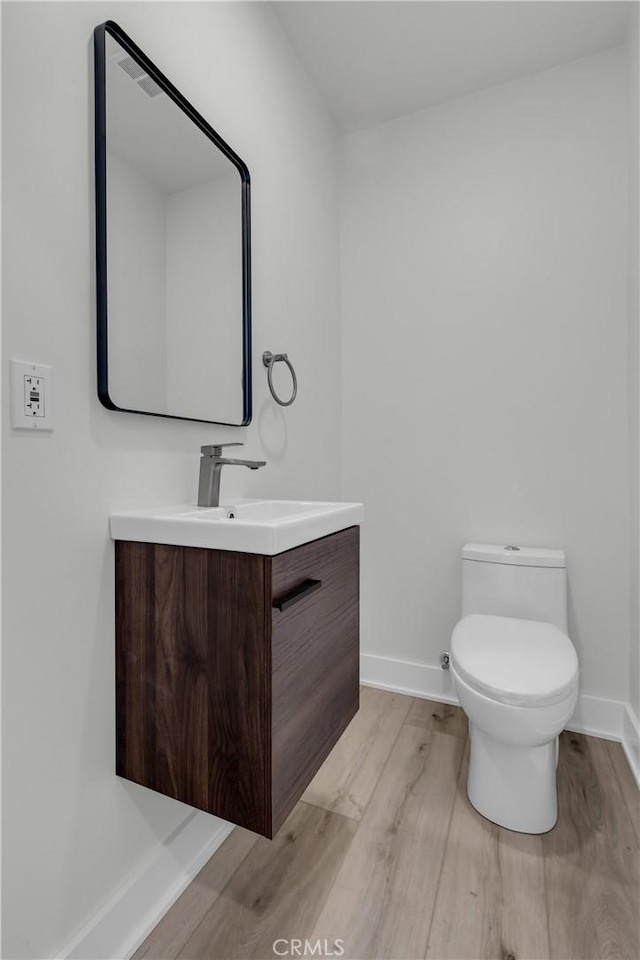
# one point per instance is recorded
(173, 252)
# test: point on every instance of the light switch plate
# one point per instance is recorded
(31, 395)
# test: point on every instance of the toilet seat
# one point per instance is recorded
(512, 661)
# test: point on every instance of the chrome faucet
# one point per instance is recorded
(211, 464)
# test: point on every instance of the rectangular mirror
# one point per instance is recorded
(172, 248)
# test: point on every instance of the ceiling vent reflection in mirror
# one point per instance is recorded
(135, 71)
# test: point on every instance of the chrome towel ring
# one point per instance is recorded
(269, 359)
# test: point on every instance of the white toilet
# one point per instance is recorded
(515, 672)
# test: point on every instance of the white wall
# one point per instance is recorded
(204, 298)
(73, 831)
(633, 53)
(484, 353)
(137, 269)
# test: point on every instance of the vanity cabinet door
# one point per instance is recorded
(193, 678)
(235, 673)
(315, 659)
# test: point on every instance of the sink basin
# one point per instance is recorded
(246, 526)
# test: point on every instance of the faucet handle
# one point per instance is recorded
(215, 449)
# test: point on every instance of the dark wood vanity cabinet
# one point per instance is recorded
(235, 673)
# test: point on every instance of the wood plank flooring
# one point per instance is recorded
(348, 776)
(383, 897)
(385, 858)
(491, 896)
(591, 859)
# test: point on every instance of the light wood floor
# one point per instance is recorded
(385, 854)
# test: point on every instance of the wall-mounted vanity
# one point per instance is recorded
(237, 644)
(237, 651)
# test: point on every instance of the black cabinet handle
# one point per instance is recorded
(309, 586)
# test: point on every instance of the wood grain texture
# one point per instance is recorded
(193, 678)
(383, 897)
(491, 897)
(591, 859)
(315, 661)
(222, 701)
(179, 690)
(135, 662)
(440, 717)
(278, 890)
(240, 689)
(170, 935)
(422, 870)
(348, 777)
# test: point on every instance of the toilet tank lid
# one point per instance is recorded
(522, 556)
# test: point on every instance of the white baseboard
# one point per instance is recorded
(128, 917)
(597, 717)
(403, 676)
(119, 928)
(631, 741)
(609, 719)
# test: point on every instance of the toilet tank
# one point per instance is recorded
(508, 581)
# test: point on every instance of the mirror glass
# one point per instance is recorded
(174, 324)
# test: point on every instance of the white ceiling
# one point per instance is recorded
(373, 60)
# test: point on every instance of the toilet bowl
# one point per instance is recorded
(516, 678)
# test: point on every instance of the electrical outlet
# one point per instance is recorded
(31, 395)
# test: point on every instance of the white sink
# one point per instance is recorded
(247, 526)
